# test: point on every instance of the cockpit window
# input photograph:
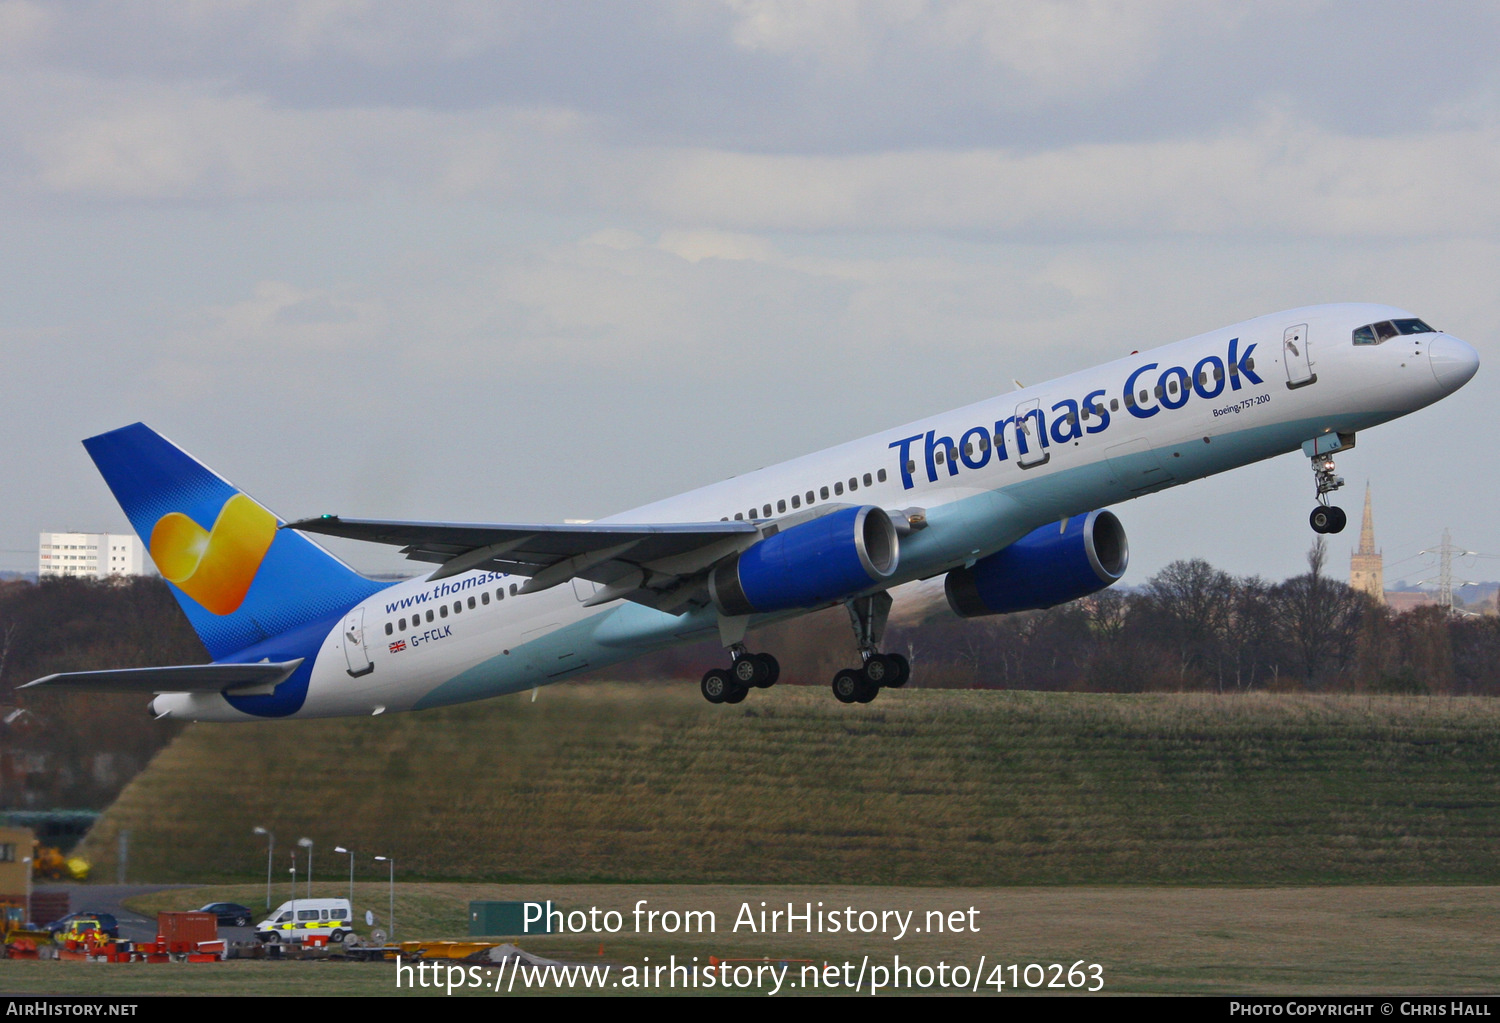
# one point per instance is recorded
(1413, 327)
(1376, 333)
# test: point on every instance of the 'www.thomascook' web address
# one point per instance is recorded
(770, 976)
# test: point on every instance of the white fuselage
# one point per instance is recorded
(1233, 406)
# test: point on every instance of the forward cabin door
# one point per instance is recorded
(1031, 435)
(354, 643)
(1297, 354)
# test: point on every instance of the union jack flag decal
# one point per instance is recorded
(398, 646)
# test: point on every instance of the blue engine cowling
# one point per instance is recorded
(1048, 566)
(808, 564)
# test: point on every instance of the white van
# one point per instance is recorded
(296, 920)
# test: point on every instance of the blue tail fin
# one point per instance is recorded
(239, 577)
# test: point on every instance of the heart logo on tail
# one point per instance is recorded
(215, 567)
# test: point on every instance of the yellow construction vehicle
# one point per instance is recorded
(49, 864)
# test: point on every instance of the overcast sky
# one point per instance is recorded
(529, 261)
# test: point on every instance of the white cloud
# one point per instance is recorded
(845, 33)
(283, 317)
(1052, 47)
(695, 246)
(1279, 176)
(1064, 47)
(374, 33)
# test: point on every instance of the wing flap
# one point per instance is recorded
(177, 678)
(550, 554)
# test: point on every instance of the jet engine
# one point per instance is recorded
(811, 563)
(1059, 562)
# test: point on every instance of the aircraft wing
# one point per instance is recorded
(645, 562)
(178, 678)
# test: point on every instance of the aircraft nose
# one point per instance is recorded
(1454, 363)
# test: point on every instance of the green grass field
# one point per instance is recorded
(645, 783)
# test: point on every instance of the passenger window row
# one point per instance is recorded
(442, 611)
(810, 498)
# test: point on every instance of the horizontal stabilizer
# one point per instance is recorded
(178, 678)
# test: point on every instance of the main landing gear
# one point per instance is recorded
(876, 671)
(1326, 518)
(867, 615)
(863, 684)
(746, 672)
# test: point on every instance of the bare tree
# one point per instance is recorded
(1193, 605)
(1319, 618)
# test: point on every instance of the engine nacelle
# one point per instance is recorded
(1046, 567)
(808, 564)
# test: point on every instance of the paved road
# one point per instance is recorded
(109, 898)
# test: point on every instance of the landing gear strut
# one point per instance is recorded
(1326, 518)
(747, 671)
(868, 615)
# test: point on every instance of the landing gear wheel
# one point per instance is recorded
(716, 685)
(747, 671)
(1340, 520)
(1321, 519)
(879, 671)
(902, 673)
(847, 685)
(772, 668)
(736, 694)
(867, 692)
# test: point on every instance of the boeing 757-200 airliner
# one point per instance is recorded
(1004, 498)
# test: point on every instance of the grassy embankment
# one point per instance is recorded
(650, 784)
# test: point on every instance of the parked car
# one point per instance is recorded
(229, 913)
(79, 922)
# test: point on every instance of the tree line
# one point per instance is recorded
(1193, 627)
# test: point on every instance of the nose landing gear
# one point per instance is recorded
(1326, 518)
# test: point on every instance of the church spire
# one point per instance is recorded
(1366, 569)
(1367, 530)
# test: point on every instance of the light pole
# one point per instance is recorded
(307, 844)
(292, 932)
(270, 848)
(392, 862)
(350, 854)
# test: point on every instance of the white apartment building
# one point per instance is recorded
(90, 555)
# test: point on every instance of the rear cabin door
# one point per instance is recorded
(354, 643)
